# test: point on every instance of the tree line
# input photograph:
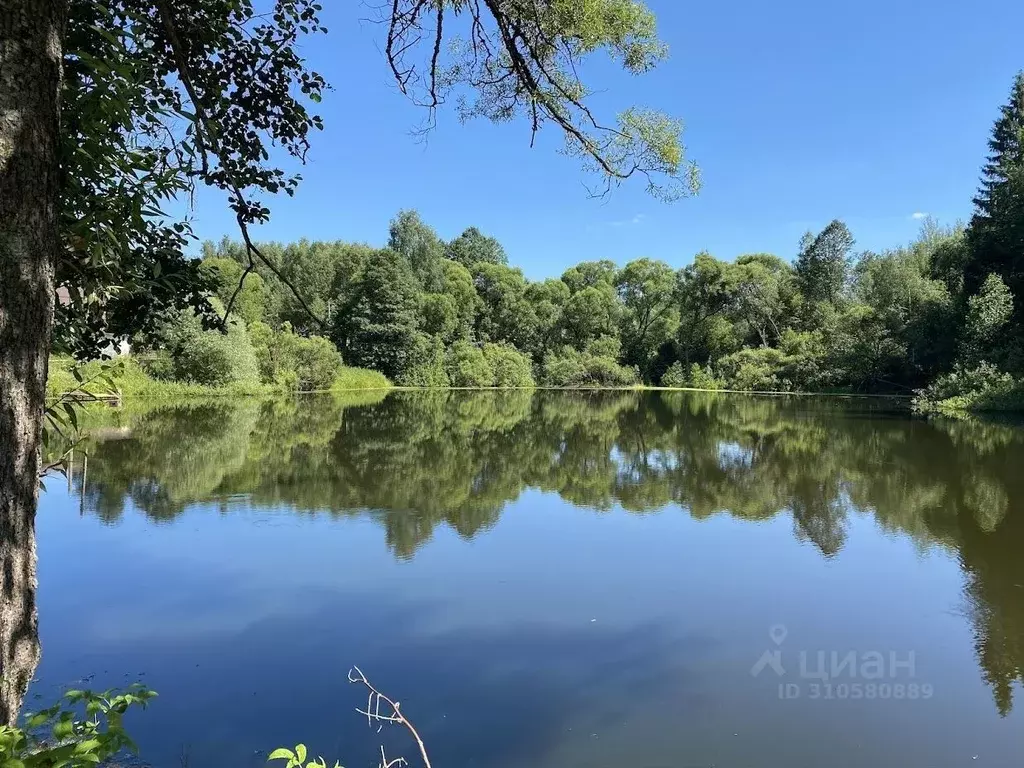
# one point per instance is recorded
(429, 313)
(944, 310)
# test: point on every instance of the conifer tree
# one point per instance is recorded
(996, 232)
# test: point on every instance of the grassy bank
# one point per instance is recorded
(127, 380)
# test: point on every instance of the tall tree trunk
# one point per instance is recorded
(31, 35)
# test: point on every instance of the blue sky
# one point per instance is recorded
(797, 112)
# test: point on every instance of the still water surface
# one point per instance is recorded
(548, 580)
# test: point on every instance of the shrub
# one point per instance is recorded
(189, 353)
(754, 369)
(360, 378)
(694, 377)
(216, 359)
(158, 364)
(292, 361)
(568, 367)
(804, 363)
(317, 362)
(969, 382)
(675, 376)
(466, 366)
(427, 368)
(704, 378)
(264, 344)
(511, 367)
(981, 388)
(563, 368)
(84, 730)
(606, 372)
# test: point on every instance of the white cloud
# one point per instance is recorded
(917, 216)
(637, 219)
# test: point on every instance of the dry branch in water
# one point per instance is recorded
(390, 714)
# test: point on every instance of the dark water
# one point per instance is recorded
(548, 580)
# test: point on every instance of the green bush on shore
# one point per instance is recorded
(981, 388)
(305, 363)
(696, 377)
(359, 378)
(596, 366)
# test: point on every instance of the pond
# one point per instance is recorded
(546, 579)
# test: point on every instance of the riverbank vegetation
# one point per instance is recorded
(131, 378)
(941, 316)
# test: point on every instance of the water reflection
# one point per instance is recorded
(414, 461)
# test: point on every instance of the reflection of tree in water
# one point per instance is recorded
(416, 460)
(990, 545)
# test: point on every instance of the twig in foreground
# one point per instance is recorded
(391, 714)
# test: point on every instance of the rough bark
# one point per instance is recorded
(31, 33)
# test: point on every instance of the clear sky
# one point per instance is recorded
(798, 112)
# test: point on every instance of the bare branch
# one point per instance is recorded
(395, 715)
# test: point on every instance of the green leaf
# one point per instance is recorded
(72, 413)
(64, 727)
(281, 754)
(300, 752)
(89, 745)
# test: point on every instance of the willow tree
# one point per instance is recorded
(111, 108)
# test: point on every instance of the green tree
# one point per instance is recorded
(996, 231)
(988, 314)
(474, 246)
(823, 264)
(250, 302)
(590, 274)
(439, 316)
(949, 260)
(458, 285)
(703, 293)
(762, 297)
(647, 290)
(416, 242)
(505, 314)
(309, 268)
(377, 328)
(590, 313)
(910, 307)
(548, 299)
